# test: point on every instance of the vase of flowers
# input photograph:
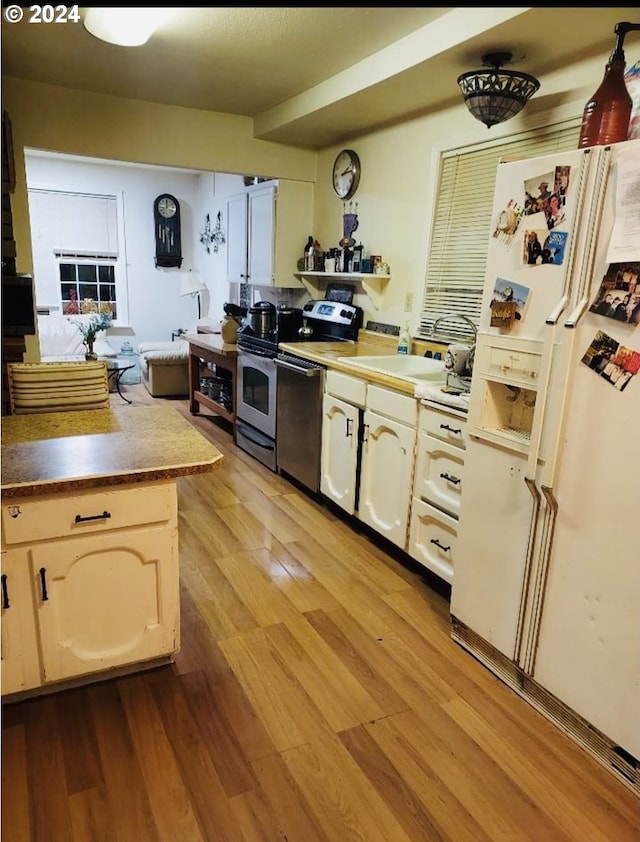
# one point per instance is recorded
(90, 329)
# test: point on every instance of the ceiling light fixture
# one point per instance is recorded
(496, 95)
(124, 26)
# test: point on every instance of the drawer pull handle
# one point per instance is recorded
(43, 584)
(438, 544)
(451, 429)
(103, 516)
(449, 478)
(5, 592)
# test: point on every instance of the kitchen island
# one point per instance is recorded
(90, 573)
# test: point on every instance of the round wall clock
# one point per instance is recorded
(166, 217)
(346, 173)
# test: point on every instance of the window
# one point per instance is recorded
(87, 277)
(76, 253)
(461, 224)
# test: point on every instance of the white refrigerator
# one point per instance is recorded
(546, 590)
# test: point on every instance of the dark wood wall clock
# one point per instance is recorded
(166, 217)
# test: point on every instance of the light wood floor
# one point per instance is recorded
(318, 696)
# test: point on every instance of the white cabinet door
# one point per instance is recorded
(102, 604)
(237, 238)
(268, 226)
(20, 660)
(261, 235)
(340, 430)
(387, 470)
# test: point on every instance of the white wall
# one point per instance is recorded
(154, 307)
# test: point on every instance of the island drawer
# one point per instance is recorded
(86, 512)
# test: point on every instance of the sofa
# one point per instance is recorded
(60, 339)
(165, 365)
(165, 368)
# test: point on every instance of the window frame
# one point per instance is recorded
(78, 259)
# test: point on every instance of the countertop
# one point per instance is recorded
(327, 354)
(69, 451)
(211, 342)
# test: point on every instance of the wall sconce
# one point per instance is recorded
(212, 236)
(496, 95)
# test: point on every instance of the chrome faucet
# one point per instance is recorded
(456, 316)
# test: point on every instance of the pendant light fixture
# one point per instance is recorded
(496, 95)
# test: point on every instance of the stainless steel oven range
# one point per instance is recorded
(267, 402)
(256, 398)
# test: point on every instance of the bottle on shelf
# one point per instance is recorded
(404, 340)
(606, 115)
(309, 255)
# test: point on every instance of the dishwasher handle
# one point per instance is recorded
(306, 371)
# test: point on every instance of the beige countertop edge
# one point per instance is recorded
(33, 488)
(69, 451)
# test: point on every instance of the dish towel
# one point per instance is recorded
(435, 393)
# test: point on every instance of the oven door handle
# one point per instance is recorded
(256, 352)
(306, 372)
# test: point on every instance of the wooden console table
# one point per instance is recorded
(209, 348)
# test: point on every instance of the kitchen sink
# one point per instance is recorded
(410, 367)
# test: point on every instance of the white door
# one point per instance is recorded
(108, 605)
(340, 431)
(261, 237)
(385, 484)
(237, 238)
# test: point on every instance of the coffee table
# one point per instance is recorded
(116, 367)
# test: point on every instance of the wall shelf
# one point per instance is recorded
(372, 284)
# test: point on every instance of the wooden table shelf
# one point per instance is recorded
(209, 348)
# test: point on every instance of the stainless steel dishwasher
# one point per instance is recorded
(300, 384)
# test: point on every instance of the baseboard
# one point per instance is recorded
(615, 759)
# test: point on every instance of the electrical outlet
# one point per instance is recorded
(408, 302)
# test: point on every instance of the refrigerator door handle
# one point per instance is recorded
(591, 239)
(544, 377)
(528, 566)
(540, 588)
(577, 313)
(554, 315)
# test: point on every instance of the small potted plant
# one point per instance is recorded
(90, 329)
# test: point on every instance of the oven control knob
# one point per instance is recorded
(346, 314)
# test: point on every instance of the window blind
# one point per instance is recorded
(462, 224)
(74, 222)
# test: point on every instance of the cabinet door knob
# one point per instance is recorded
(5, 592)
